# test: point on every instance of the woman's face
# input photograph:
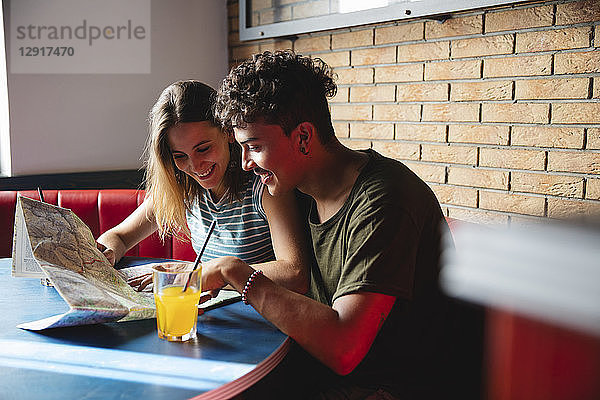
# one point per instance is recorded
(201, 150)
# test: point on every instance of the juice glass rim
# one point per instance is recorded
(177, 268)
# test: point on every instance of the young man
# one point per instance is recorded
(373, 314)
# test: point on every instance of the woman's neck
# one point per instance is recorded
(216, 194)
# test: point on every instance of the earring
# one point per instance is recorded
(303, 150)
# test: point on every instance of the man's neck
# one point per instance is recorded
(330, 182)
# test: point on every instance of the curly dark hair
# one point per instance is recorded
(280, 88)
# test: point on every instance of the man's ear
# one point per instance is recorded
(305, 132)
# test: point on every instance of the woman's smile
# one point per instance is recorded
(206, 174)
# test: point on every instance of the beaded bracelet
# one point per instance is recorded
(249, 284)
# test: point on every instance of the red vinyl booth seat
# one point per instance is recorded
(100, 210)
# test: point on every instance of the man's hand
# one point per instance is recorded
(214, 276)
(215, 272)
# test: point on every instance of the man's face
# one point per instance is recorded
(270, 154)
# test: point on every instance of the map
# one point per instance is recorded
(52, 242)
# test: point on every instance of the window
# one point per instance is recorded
(271, 18)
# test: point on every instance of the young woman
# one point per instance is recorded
(194, 176)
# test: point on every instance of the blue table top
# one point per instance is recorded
(125, 359)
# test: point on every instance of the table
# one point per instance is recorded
(234, 349)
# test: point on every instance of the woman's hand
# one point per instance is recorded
(108, 253)
(140, 282)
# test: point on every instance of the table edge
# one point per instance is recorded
(242, 383)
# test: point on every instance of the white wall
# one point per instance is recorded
(98, 122)
(4, 126)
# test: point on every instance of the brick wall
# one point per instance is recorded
(498, 110)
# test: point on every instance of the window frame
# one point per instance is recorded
(435, 9)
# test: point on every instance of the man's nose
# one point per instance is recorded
(247, 163)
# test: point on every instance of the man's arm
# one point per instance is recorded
(379, 253)
(339, 336)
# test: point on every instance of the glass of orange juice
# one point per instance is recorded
(176, 310)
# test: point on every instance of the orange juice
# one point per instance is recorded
(176, 311)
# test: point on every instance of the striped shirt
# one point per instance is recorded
(242, 229)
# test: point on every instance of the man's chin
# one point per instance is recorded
(272, 190)
(275, 190)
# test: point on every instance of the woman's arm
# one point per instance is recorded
(289, 235)
(135, 228)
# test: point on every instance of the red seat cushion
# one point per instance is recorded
(8, 201)
(183, 250)
(152, 246)
(114, 205)
(84, 203)
(100, 210)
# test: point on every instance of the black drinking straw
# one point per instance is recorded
(41, 195)
(210, 231)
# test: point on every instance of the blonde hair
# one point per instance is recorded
(172, 191)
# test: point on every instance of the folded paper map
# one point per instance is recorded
(52, 242)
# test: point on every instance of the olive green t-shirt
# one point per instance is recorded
(386, 239)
